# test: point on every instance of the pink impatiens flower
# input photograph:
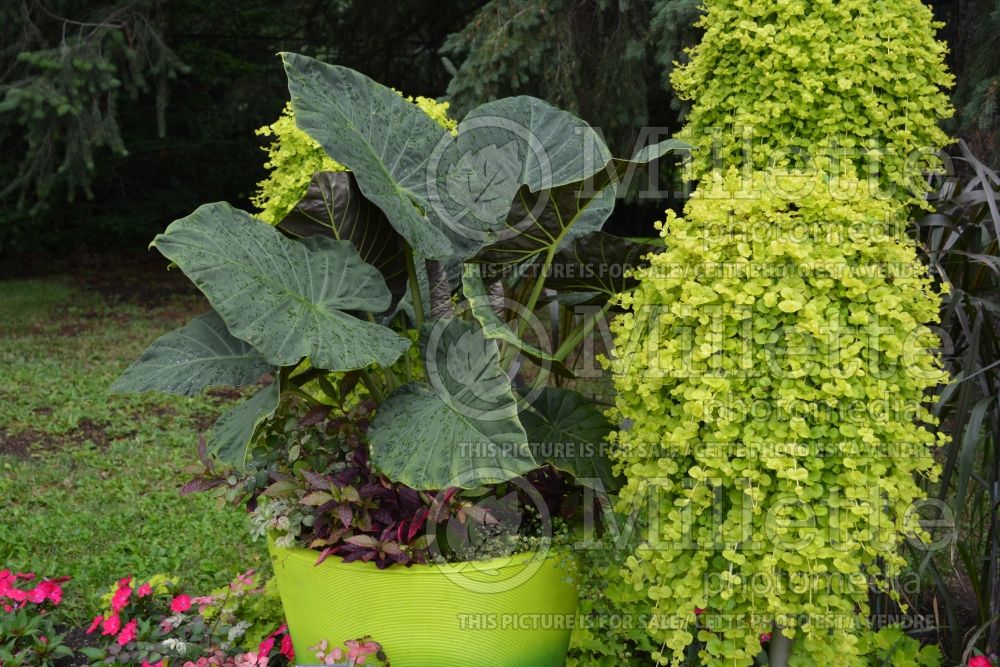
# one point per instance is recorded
(286, 647)
(161, 663)
(250, 660)
(128, 633)
(111, 625)
(96, 623)
(180, 603)
(358, 651)
(121, 597)
(203, 602)
(143, 591)
(979, 661)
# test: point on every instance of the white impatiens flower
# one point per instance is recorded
(175, 646)
(237, 631)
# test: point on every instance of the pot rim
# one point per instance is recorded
(499, 564)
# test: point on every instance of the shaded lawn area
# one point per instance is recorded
(89, 481)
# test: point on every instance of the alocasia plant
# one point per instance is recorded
(407, 282)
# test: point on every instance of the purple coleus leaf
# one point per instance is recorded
(345, 514)
(315, 415)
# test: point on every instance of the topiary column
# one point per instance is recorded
(774, 363)
(842, 84)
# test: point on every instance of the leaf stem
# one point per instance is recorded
(536, 290)
(372, 386)
(411, 272)
(573, 339)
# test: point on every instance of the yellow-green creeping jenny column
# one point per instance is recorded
(774, 363)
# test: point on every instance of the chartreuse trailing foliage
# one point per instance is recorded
(774, 363)
(839, 81)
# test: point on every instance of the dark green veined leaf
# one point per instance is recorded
(334, 207)
(554, 147)
(540, 221)
(235, 429)
(461, 427)
(598, 262)
(567, 431)
(554, 218)
(494, 327)
(386, 141)
(287, 298)
(200, 354)
(480, 181)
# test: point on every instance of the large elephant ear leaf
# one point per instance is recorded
(599, 263)
(386, 141)
(333, 206)
(287, 298)
(200, 354)
(540, 221)
(461, 427)
(230, 438)
(554, 218)
(554, 146)
(568, 432)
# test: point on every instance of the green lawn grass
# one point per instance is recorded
(89, 481)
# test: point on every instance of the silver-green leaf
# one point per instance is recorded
(568, 432)
(234, 431)
(200, 354)
(287, 298)
(494, 327)
(554, 146)
(461, 427)
(386, 141)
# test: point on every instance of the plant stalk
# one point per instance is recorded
(780, 649)
(411, 272)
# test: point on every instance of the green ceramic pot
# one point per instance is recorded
(507, 612)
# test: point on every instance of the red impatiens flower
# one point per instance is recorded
(111, 625)
(266, 646)
(286, 647)
(979, 661)
(121, 597)
(47, 590)
(144, 590)
(96, 623)
(180, 603)
(128, 633)
(765, 638)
